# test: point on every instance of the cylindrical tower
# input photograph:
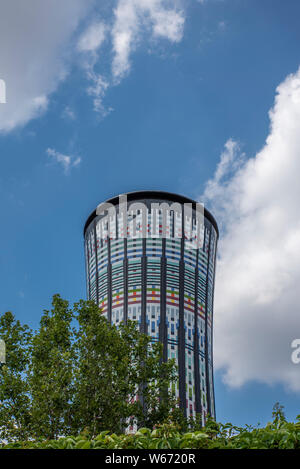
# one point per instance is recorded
(141, 265)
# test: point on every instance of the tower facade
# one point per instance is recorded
(153, 261)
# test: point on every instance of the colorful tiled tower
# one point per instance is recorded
(144, 269)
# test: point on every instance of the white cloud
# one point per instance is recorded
(37, 47)
(231, 160)
(93, 37)
(97, 90)
(34, 36)
(69, 113)
(67, 161)
(90, 43)
(132, 18)
(257, 313)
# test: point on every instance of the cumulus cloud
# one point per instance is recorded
(37, 47)
(93, 37)
(258, 273)
(66, 161)
(34, 38)
(133, 17)
(89, 44)
(130, 22)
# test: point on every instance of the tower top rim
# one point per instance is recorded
(159, 195)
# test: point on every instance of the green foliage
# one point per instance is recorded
(77, 372)
(114, 365)
(15, 415)
(279, 434)
(74, 383)
(51, 372)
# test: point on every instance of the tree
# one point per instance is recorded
(97, 402)
(51, 371)
(61, 380)
(150, 380)
(114, 365)
(15, 408)
(278, 415)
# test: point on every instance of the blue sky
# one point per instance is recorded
(195, 76)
